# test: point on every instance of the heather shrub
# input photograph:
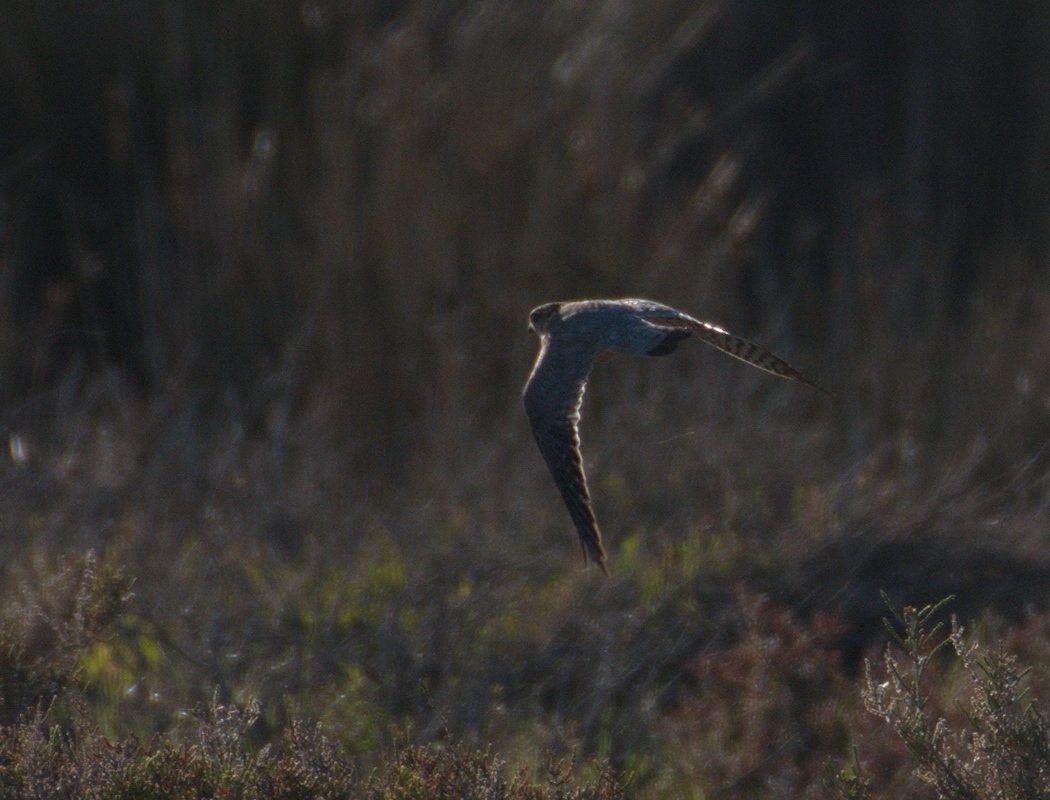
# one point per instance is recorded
(963, 710)
(57, 613)
(219, 758)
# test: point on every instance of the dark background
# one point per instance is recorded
(191, 190)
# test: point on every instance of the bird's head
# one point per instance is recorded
(541, 317)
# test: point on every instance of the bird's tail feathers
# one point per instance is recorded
(742, 349)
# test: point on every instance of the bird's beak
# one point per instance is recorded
(531, 329)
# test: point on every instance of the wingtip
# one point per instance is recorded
(599, 559)
(594, 553)
(600, 563)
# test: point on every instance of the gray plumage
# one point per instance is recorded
(571, 337)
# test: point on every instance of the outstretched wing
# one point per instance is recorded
(553, 396)
(746, 351)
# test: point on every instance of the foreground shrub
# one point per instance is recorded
(994, 744)
(437, 774)
(39, 761)
(58, 612)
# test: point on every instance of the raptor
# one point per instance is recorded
(571, 336)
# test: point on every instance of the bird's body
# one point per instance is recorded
(571, 337)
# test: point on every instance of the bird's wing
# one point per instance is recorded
(746, 351)
(552, 401)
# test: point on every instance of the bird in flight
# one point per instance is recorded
(571, 337)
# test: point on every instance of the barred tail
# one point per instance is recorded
(749, 352)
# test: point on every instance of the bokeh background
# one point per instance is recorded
(265, 271)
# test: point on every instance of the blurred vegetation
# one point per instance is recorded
(264, 275)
